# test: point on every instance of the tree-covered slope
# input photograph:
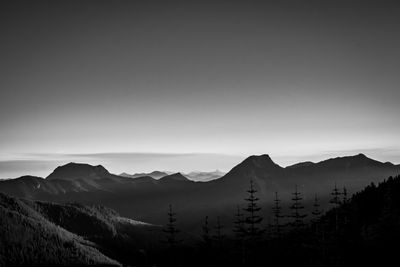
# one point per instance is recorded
(36, 233)
(28, 239)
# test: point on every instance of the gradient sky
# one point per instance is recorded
(187, 85)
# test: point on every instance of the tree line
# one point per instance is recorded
(250, 234)
(248, 220)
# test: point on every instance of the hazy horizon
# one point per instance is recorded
(173, 83)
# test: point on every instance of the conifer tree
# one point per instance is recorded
(344, 198)
(170, 229)
(296, 208)
(219, 236)
(335, 201)
(239, 227)
(206, 231)
(277, 213)
(252, 220)
(240, 234)
(388, 218)
(335, 197)
(345, 201)
(317, 212)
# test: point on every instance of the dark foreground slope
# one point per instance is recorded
(363, 231)
(35, 233)
(28, 239)
(373, 216)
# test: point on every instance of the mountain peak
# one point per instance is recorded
(260, 166)
(261, 161)
(359, 160)
(174, 177)
(360, 156)
(73, 171)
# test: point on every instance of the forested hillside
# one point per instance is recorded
(37, 233)
(362, 230)
(28, 239)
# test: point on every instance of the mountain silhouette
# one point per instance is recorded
(146, 198)
(74, 171)
(253, 167)
(174, 177)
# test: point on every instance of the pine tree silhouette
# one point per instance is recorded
(219, 236)
(239, 225)
(277, 213)
(170, 230)
(252, 220)
(240, 234)
(298, 217)
(345, 209)
(335, 201)
(318, 224)
(344, 198)
(317, 212)
(206, 231)
(335, 196)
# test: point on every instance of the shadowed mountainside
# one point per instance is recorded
(29, 239)
(36, 233)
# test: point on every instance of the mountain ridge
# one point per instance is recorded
(154, 174)
(148, 197)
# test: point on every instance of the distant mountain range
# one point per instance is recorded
(195, 176)
(154, 174)
(146, 198)
(204, 176)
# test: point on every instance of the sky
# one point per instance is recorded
(184, 85)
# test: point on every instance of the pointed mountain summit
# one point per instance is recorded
(260, 169)
(261, 162)
(254, 167)
(74, 171)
